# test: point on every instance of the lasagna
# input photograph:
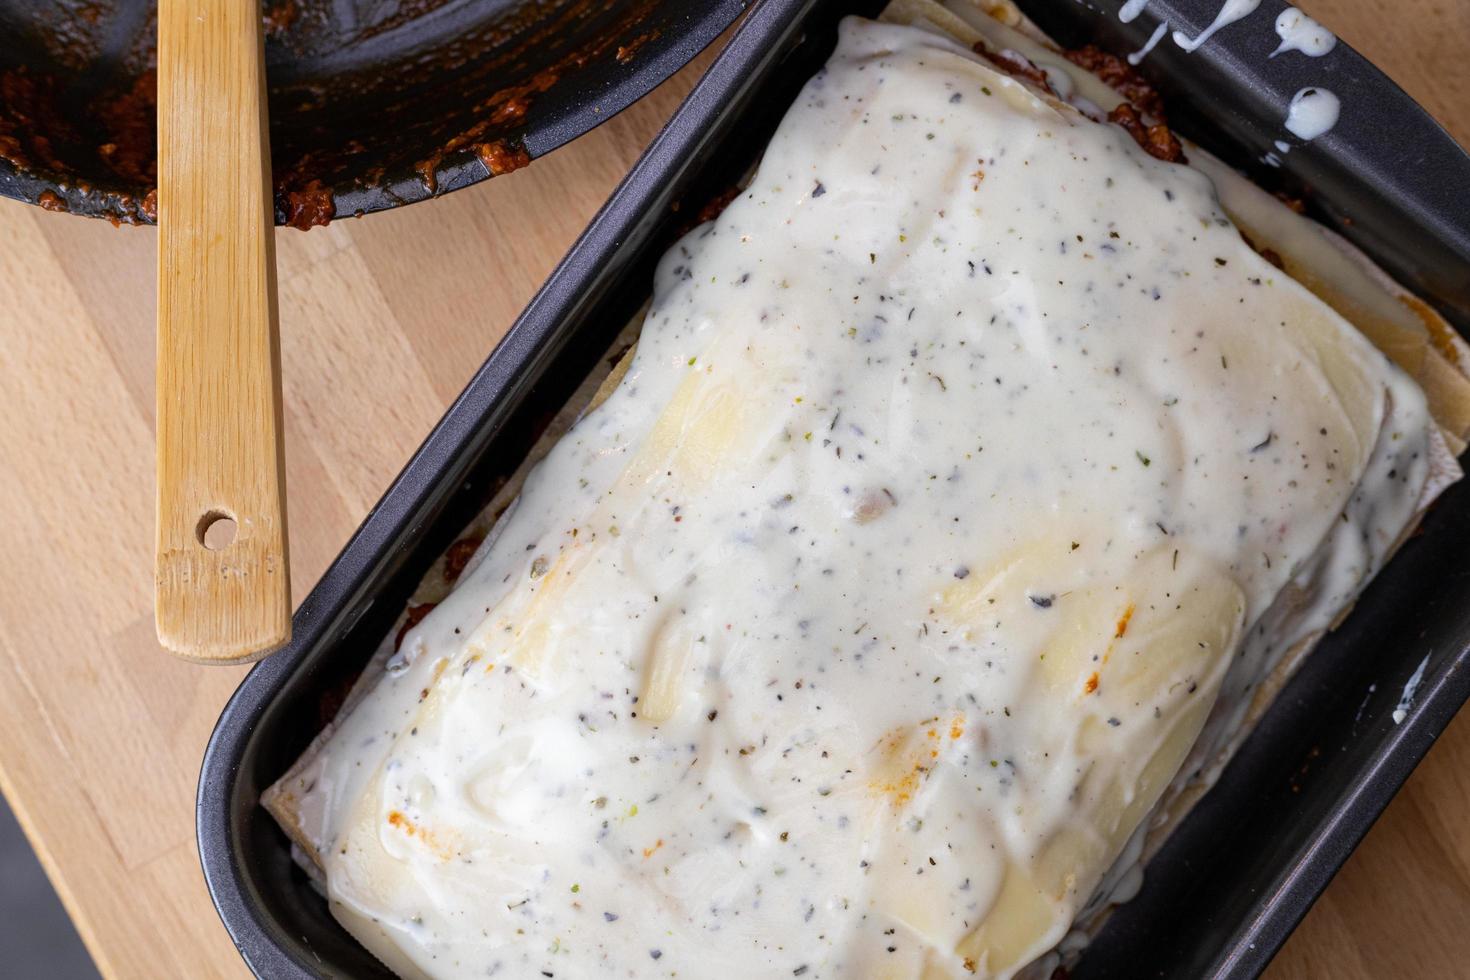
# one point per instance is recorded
(979, 473)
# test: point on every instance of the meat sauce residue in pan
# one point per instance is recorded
(360, 98)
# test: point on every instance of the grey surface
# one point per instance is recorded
(36, 937)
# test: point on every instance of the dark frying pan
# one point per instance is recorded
(373, 103)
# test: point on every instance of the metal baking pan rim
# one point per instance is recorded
(1303, 880)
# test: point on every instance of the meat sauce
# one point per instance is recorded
(1142, 115)
(482, 85)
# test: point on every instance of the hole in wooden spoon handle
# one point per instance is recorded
(216, 530)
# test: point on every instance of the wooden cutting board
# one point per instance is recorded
(382, 322)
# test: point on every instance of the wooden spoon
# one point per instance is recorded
(223, 585)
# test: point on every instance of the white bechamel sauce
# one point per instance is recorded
(1150, 44)
(1411, 687)
(1312, 112)
(963, 462)
(1058, 76)
(1298, 32)
(1230, 12)
(1129, 11)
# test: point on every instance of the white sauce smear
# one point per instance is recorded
(1298, 32)
(1312, 112)
(1154, 39)
(1406, 700)
(1232, 11)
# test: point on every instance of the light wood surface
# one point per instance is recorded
(223, 591)
(382, 322)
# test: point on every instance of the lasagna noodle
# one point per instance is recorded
(862, 626)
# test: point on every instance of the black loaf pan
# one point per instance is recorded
(1245, 866)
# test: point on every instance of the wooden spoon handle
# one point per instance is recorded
(218, 600)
